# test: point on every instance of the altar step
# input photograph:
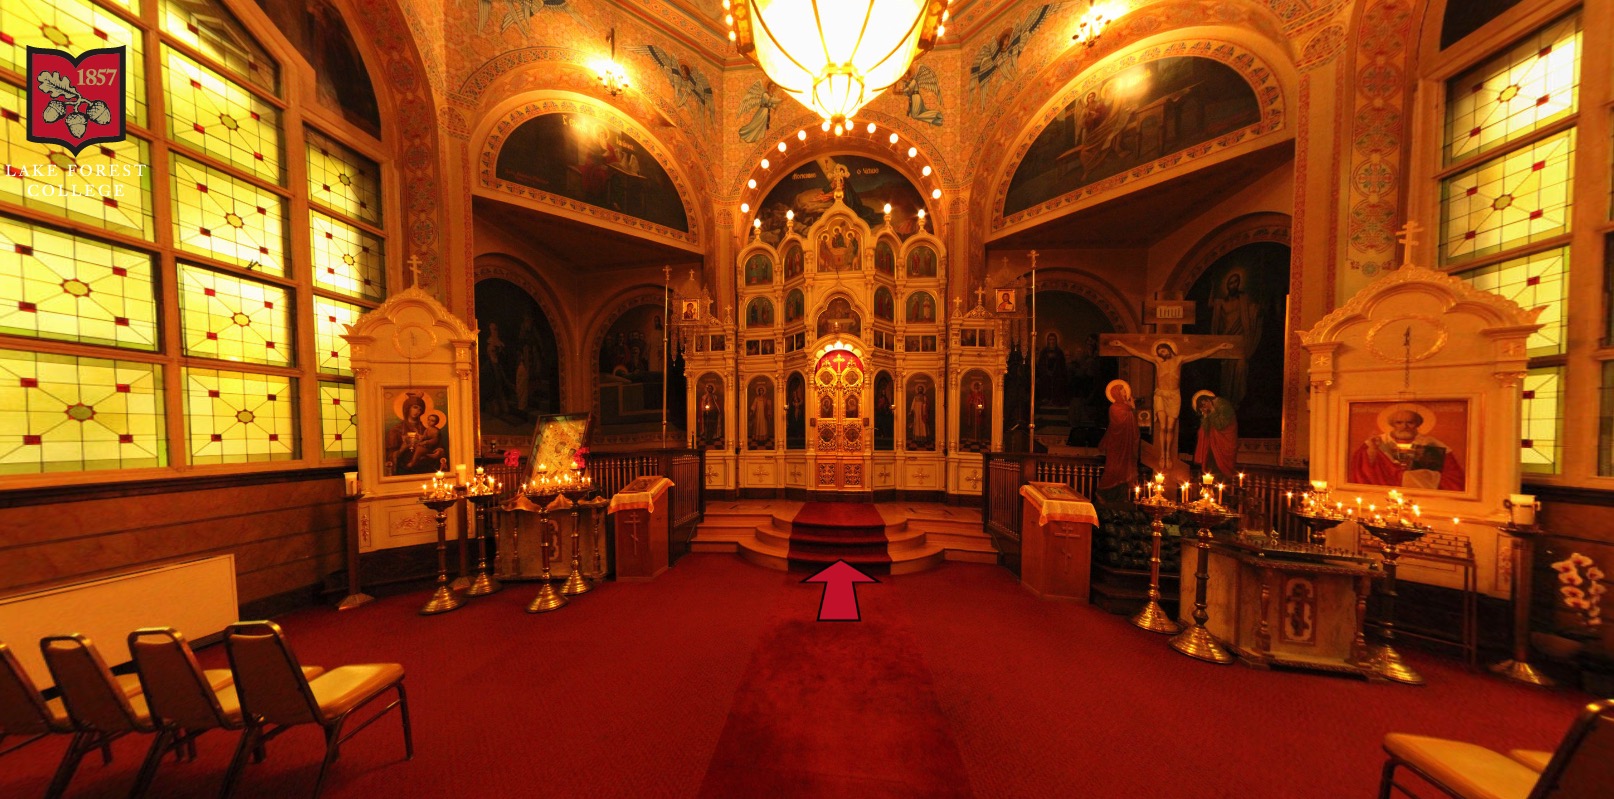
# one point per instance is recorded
(916, 536)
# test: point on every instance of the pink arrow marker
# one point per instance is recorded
(839, 602)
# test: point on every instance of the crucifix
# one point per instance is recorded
(1167, 351)
(980, 296)
(414, 267)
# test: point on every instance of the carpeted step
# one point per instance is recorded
(838, 538)
(824, 532)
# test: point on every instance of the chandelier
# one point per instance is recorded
(613, 78)
(835, 56)
(1094, 20)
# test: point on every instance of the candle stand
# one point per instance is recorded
(1196, 641)
(1393, 533)
(1519, 667)
(443, 600)
(575, 492)
(483, 583)
(1153, 617)
(543, 495)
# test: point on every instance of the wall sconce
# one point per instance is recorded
(612, 77)
(1093, 22)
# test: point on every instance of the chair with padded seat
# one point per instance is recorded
(183, 699)
(275, 693)
(1582, 767)
(99, 707)
(24, 712)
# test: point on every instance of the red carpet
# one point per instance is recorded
(956, 677)
(824, 532)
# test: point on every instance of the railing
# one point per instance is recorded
(1264, 503)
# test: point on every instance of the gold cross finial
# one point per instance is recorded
(1408, 236)
(1034, 254)
(414, 267)
(980, 295)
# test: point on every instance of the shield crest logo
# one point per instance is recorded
(76, 101)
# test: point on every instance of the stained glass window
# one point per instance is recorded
(217, 117)
(1605, 424)
(234, 417)
(1535, 83)
(331, 318)
(228, 219)
(1519, 198)
(342, 180)
(1541, 431)
(107, 184)
(347, 259)
(232, 319)
(64, 287)
(75, 26)
(1539, 280)
(65, 413)
(212, 31)
(339, 424)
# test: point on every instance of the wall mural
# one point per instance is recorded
(1244, 293)
(630, 374)
(1070, 374)
(922, 262)
(839, 317)
(923, 90)
(1132, 117)
(691, 89)
(975, 412)
(998, 59)
(921, 414)
(519, 370)
(869, 186)
(590, 161)
(756, 110)
(759, 404)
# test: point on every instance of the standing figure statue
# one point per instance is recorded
(1168, 357)
(1121, 438)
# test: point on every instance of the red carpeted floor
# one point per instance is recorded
(711, 681)
(824, 532)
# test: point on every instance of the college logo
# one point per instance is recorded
(76, 101)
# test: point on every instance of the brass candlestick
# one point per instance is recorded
(1153, 617)
(443, 600)
(484, 583)
(1317, 523)
(548, 598)
(1519, 667)
(1386, 660)
(1196, 641)
(575, 491)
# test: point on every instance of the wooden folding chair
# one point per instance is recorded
(1581, 768)
(274, 691)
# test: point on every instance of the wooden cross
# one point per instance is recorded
(414, 267)
(1408, 236)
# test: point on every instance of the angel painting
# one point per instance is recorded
(759, 102)
(688, 82)
(921, 87)
(998, 59)
(522, 10)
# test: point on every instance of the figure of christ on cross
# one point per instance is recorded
(1168, 353)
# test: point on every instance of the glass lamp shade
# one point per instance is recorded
(834, 56)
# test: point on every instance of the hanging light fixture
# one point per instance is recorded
(1094, 20)
(612, 77)
(835, 56)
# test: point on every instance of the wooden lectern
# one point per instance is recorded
(643, 525)
(1056, 541)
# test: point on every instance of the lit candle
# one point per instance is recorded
(459, 471)
(1207, 478)
(1219, 488)
(1417, 512)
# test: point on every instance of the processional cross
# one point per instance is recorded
(1408, 236)
(414, 267)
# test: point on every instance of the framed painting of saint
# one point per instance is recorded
(560, 443)
(415, 437)
(1418, 444)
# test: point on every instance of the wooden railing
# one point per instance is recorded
(1264, 500)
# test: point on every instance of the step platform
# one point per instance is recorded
(888, 537)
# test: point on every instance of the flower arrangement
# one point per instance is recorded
(1581, 589)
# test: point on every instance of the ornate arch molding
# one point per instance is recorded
(1096, 291)
(857, 141)
(523, 109)
(1248, 229)
(1254, 68)
(511, 268)
(879, 151)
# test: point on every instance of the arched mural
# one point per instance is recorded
(795, 306)
(869, 186)
(591, 161)
(759, 313)
(975, 412)
(1128, 119)
(630, 375)
(921, 414)
(518, 373)
(884, 306)
(921, 309)
(758, 270)
(1243, 293)
(709, 412)
(839, 317)
(885, 417)
(922, 262)
(1070, 374)
(759, 414)
(795, 411)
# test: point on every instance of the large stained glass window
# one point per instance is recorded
(107, 185)
(67, 413)
(143, 335)
(1531, 85)
(55, 285)
(217, 117)
(227, 218)
(342, 180)
(236, 417)
(75, 26)
(232, 319)
(1538, 280)
(346, 259)
(1515, 200)
(339, 424)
